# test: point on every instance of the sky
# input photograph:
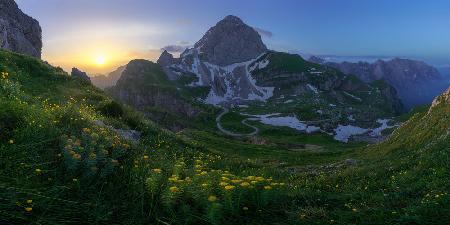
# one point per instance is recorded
(97, 36)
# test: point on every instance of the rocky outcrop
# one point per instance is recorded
(165, 61)
(19, 32)
(80, 74)
(416, 82)
(230, 41)
(442, 99)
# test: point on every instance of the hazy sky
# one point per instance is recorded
(83, 32)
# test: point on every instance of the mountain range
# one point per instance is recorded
(403, 74)
(71, 154)
(231, 67)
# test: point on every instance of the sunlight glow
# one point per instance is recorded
(100, 60)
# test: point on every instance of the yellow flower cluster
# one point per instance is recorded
(97, 148)
(4, 75)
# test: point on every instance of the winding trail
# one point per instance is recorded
(244, 122)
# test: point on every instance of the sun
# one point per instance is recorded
(100, 60)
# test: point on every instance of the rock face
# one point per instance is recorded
(80, 74)
(230, 41)
(19, 32)
(165, 61)
(415, 81)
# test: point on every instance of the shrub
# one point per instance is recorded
(111, 109)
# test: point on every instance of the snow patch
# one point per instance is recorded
(312, 88)
(286, 121)
(384, 125)
(343, 133)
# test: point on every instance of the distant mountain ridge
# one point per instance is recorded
(104, 81)
(416, 82)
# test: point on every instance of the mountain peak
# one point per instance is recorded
(165, 59)
(232, 18)
(230, 41)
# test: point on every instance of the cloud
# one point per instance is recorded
(264, 33)
(175, 48)
(183, 42)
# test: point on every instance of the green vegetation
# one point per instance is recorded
(233, 122)
(66, 159)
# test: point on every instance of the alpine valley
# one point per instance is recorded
(229, 132)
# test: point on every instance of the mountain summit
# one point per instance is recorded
(230, 41)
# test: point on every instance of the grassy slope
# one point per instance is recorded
(401, 181)
(59, 167)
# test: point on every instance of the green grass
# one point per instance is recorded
(58, 166)
(232, 122)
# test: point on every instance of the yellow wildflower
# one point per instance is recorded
(259, 178)
(29, 201)
(11, 141)
(223, 184)
(236, 181)
(28, 209)
(225, 179)
(157, 170)
(245, 184)
(203, 173)
(145, 156)
(253, 182)
(173, 189)
(267, 187)
(229, 187)
(38, 170)
(212, 198)
(204, 185)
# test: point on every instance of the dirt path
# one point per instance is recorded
(244, 122)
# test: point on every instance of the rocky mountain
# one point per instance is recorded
(416, 82)
(230, 41)
(230, 66)
(105, 81)
(19, 32)
(234, 63)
